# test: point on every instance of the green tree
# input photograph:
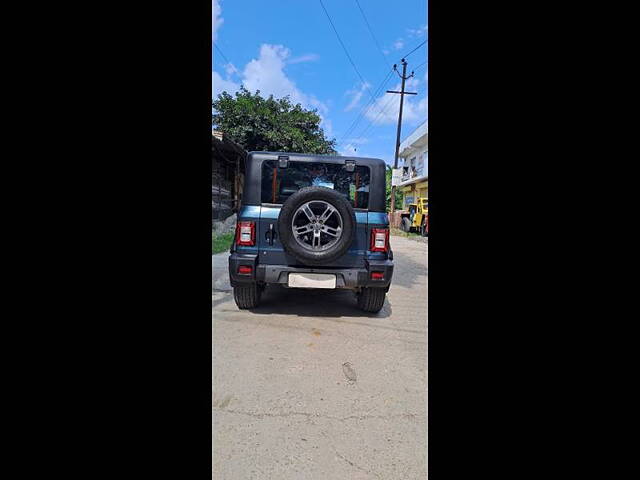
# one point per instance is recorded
(389, 173)
(269, 124)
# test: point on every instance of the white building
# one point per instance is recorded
(414, 151)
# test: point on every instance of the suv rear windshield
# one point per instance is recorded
(278, 184)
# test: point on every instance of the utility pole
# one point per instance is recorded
(402, 94)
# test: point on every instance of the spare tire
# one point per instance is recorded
(316, 225)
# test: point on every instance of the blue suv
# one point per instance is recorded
(312, 221)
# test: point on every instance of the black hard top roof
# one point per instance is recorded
(310, 157)
(253, 178)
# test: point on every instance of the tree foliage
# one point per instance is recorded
(269, 124)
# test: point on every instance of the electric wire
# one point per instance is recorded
(221, 52)
(405, 56)
(366, 107)
(373, 35)
(225, 57)
(364, 83)
(381, 112)
(423, 63)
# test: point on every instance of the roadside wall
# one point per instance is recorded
(394, 218)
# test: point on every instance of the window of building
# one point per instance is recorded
(412, 168)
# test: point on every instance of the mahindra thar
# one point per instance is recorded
(312, 221)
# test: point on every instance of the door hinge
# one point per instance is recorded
(283, 161)
(350, 165)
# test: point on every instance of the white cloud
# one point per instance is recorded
(348, 150)
(352, 148)
(230, 69)
(417, 32)
(266, 73)
(423, 109)
(385, 109)
(327, 126)
(216, 14)
(398, 44)
(356, 95)
(219, 85)
(357, 141)
(310, 57)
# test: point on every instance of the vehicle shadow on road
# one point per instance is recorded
(314, 303)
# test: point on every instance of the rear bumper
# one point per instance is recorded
(349, 278)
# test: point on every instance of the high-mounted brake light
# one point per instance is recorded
(379, 240)
(246, 234)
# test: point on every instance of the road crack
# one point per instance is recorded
(317, 415)
(368, 472)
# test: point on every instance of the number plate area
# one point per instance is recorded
(312, 280)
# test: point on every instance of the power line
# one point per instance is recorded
(414, 49)
(416, 68)
(365, 84)
(382, 111)
(375, 119)
(370, 104)
(380, 114)
(225, 57)
(372, 34)
(221, 52)
(366, 107)
(402, 94)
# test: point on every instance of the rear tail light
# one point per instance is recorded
(246, 234)
(379, 240)
(245, 270)
(377, 276)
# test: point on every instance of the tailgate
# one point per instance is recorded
(275, 254)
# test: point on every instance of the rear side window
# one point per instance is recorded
(278, 184)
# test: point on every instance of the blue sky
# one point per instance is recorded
(289, 47)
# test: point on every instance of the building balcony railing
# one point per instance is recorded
(410, 175)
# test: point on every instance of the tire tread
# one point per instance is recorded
(246, 296)
(372, 299)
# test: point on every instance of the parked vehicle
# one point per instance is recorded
(312, 221)
(417, 218)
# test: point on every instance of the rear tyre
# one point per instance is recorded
(405, 226)
(247, 296)
(424, 229)
(371, 299)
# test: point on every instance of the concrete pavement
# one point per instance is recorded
(284, 404)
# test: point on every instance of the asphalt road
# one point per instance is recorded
(285, 405)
